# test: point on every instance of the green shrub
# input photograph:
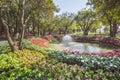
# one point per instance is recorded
(8, 63)
(90, 62)
(4, 49)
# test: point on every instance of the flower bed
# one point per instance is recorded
(106, 40)
(42, 64)
(3, 37)
(93, 67)
(40, 42)
(28, 35)
(90, 62)
(107, 54)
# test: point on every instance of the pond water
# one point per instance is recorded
(81, 47)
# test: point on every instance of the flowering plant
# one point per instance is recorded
(107, 54)
(107, 40)
(40, 42)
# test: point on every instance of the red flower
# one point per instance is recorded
(40, 42)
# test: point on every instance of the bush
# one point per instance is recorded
(8, 63)
(4, 49)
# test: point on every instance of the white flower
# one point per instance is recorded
(111, 64)
(92, 61)
(98, 62)
(115, 66)
(82, 60)
(81, 57)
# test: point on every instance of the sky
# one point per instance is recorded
(71, 6)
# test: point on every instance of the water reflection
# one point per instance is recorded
(81, 47)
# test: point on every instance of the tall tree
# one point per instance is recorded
(85, 19)
(108, 10)
(23, 9)
(66, 20)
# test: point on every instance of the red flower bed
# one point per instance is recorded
(40, 42)
(108, 54)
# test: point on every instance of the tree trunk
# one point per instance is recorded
(60, 31)
(38, 31)
(66, 29)
(113, 28)
(85, 33)
(44, 31)
(50, 31)
(33, 29)
(10, 41)
(28, 30)
(23, 25)
(17, 26)
(21, 38)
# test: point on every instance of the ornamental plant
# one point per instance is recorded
(55, 65)
(107, 54)
(40, 42)
(90, 62)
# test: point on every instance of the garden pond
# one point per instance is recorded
(81, 47)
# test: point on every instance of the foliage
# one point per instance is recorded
(85, 19)
(17, 16)
(76, 59)
(4, 49)
(91, 34)
(107, 54)
(27, 57)
(53, 40)
(90, 62)
(66, 20)
(51, 69)
(59, 71)
(32, 64)
(108, 13)
(8, 63)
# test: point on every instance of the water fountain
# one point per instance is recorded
(66, 39)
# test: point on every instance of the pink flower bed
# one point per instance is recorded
(107, 40)
(108, 54)
(28, 35)
(3, 37)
